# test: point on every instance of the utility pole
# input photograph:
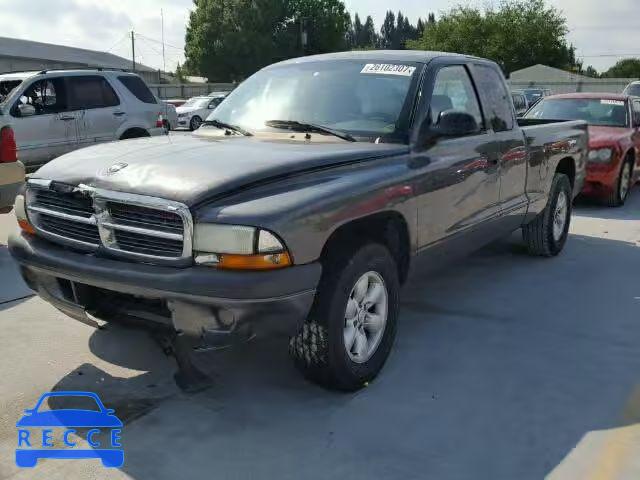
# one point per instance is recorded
(164, 63)
(133, 49)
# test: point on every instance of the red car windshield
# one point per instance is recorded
(594, 111)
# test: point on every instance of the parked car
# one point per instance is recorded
(196, 110)
(169, 115)
(614, 157)
(302, 210)
(176, 102)
(633, 89)
(520, 103)
(219, 94)
(57, 111)
(11, 170)
(534, 95)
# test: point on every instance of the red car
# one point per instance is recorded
(614, 139)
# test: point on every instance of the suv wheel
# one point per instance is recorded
(195, 123)
(350, 331)
(547, 234)
(623, 186)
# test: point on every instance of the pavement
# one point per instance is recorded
(505, 367)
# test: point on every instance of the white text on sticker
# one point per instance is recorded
(613, 102)
(388, 69)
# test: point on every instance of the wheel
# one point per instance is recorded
(547, 234)
(195, 123)
(619, 196)
(352, 325)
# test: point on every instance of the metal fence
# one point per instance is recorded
(614, 85)
(187, 90)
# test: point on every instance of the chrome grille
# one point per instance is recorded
(132, 226)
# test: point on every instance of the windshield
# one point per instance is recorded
(366, 100)
(533, 95)
(594, 111)
(6, 87)
(197, 102)
(633, 90)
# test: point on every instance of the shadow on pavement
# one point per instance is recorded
(502, 364)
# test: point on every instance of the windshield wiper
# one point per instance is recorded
(227, 126)
(308, 127)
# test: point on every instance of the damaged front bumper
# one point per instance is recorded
(214, 309)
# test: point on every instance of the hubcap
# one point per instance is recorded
(195, 123)
(625, 180)
(365, 317)
(560, 216)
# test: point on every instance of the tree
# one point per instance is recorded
(518, 34)
(420, 28)
(388, 30)
(591, 72)
(358, 31)
(228, 40)
(370, 38)
(627, 68)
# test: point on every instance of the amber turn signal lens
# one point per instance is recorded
(26, 227)
(254, 262)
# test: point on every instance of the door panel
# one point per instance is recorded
(508, 145)
(97, 107)
(458, 183)
(52, 130)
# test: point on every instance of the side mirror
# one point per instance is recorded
(452, 123)
(26, 110)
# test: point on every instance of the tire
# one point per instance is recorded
(623, 186)
(167, 126)
(319, 351)
(195, 123)
(544, 236)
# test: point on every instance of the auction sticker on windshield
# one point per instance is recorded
(388, 69)
(619, 103)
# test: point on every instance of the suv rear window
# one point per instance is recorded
(136, 86)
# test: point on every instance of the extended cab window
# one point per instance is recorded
(453, 90)
(495, 98)
(136, 86)
(45, 96)
(91, 91)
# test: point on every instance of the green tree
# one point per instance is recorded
(228, 40)
(388, 31)
(627, 68)
(591, 72)
(516, 34)
(370, 38)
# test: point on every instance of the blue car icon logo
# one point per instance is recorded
(68, 419)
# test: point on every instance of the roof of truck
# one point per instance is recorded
(421, 56)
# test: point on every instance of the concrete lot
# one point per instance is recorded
(505, 367)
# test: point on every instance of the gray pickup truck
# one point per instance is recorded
(301, 206)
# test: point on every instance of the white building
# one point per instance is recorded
(25, 55)
(561, 81)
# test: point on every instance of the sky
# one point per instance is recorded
(602, 31)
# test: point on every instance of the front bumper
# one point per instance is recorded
(602, 179)
(213, 308)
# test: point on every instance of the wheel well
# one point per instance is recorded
(134, 133)
(387, 228)
(568, 167)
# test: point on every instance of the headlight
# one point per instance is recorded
(21, 215)
(238, 247)
(182, 115)
(601, 155)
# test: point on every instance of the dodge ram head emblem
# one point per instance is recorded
(115, 168)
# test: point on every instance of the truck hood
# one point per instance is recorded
(602, 136)
(191, 169)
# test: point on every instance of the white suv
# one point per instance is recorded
(56, 111)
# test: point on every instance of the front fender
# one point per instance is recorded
(306, 209)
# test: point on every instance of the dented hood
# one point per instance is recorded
(191, 169)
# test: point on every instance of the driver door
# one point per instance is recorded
(458, 188)
(43, 126)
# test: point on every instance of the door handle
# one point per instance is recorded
(67, 119)
(119, 114)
